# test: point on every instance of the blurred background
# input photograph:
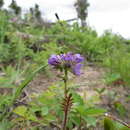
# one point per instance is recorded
(102, 14)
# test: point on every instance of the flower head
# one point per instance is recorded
(69, 60)
(54, 60)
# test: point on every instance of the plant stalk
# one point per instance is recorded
(65, 95)
(65, 120)
(65, 81)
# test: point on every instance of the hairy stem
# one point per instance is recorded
(65, 119)
(65, 81)
(67, 106)
(65, 95)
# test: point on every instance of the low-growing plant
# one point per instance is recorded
(7, 104)
(61, 107)
(118, 62)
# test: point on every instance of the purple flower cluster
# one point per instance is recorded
(69, 60)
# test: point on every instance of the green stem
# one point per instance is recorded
(65, 81)
(65, 95)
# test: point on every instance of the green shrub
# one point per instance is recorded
(119, 63)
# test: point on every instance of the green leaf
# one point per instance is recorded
(95, 111)
(70, 125)
(76, 119)
(82, 110)
(50, 117)
(100, 90)
(77, 98)
(113, 125)
(109, 125)
(120, 108)
(26, 82)
(24, 112)
(45, 111)
(20, 110)
(91, 121)
(110, 78)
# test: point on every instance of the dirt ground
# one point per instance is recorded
(88, 83)
(91, 77)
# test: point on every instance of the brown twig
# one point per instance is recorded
(116, 119)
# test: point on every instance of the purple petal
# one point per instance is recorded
(77, 68)
(67, 57)
(68, 60)
(54, 60)
(78, 58)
